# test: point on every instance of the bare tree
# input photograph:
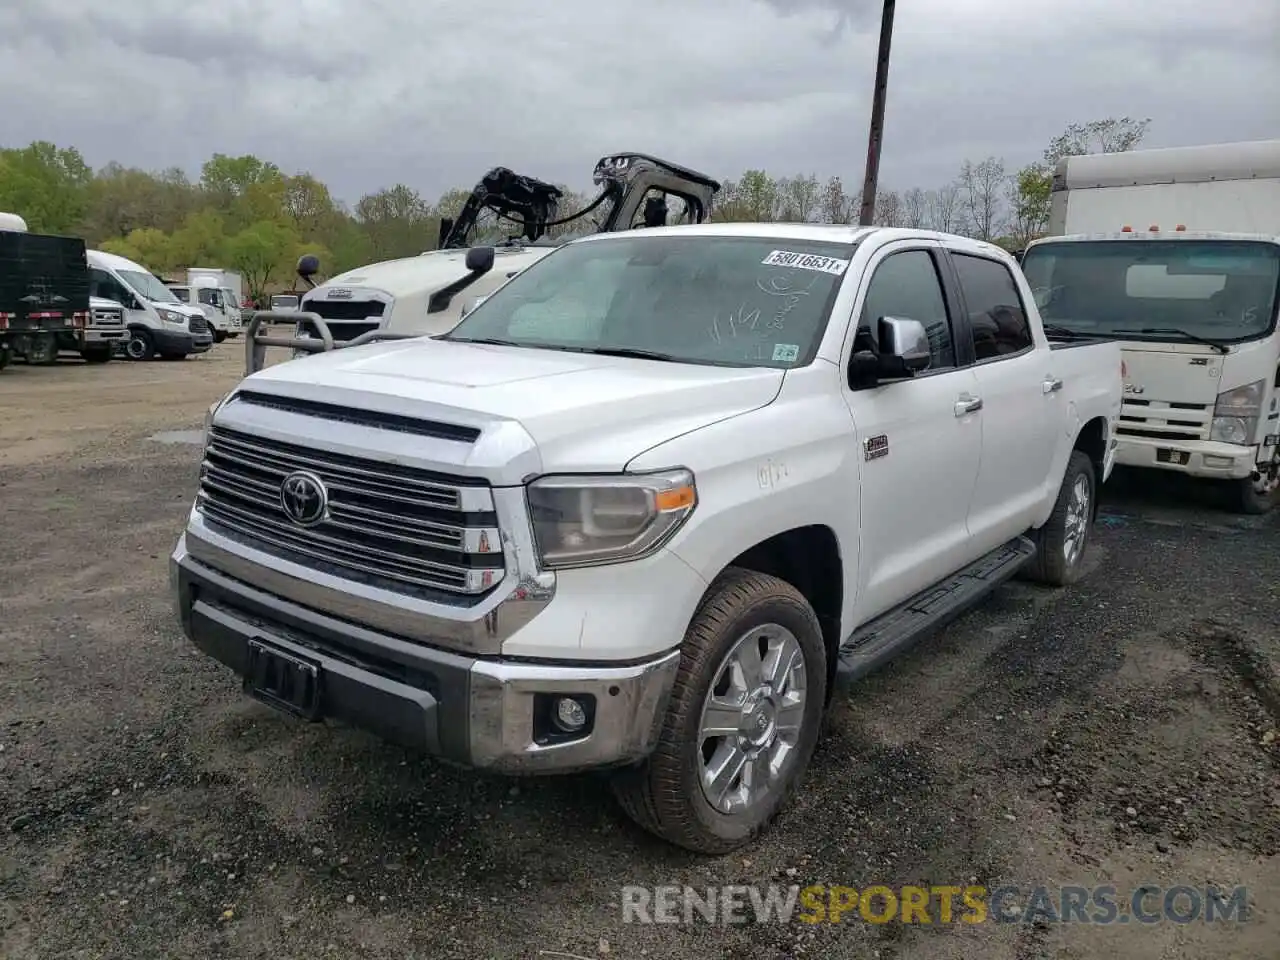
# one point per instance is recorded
(913, 208)
(1111, 135)
(798, 198)
(837, 207)
(888, 209)
(981, 186)
(943, 210)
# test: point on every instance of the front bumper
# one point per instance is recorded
(1197, 458)
(478, 712)
(105, 335)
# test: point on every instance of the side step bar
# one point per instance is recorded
(889, 634)
(255, 344)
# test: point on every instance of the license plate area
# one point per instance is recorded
(1172, 456)
(283, 680)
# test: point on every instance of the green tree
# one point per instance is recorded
(399, 223)
(262, 253)
(148, 246)
(200, 241)
(225, 178)
(46, 185)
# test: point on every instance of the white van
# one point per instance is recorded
(159, 324)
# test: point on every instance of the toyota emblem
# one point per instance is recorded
(304, 498)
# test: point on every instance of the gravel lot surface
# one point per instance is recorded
(1121, 732)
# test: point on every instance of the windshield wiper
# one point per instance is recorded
(491, 341)
(1065, 333)
(626, 352)
(1179, 332)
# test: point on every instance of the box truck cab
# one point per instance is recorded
(217, 304)
(158, 323)
(1176, 253)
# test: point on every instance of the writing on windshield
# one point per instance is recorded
(1223, 290)
(729, 300)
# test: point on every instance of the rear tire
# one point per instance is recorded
(770, 716)
(139, 346)
(1062, 542)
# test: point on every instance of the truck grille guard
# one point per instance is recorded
(256, 340)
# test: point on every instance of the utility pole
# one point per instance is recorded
(876, 135)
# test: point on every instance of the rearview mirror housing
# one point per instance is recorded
(480, 259)
(902, 351)
(904, 346)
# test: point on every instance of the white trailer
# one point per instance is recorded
(1176, 253)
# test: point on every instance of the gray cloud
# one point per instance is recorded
(366, 94)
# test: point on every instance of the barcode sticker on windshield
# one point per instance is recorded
(806, 261)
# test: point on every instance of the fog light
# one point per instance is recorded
(571, 716)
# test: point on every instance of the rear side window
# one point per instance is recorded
(996, 313)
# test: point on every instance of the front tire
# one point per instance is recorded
(219, 336)
(1061, 543)
(1253, 497)
(743, 718)
(139, 346)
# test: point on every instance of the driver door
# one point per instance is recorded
(921, 449)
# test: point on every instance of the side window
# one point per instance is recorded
(906, 285)
(996, 313)
(103, 284)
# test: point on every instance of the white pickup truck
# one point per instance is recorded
(647, 503)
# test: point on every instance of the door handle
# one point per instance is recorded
(967, 404)
(1052, 385)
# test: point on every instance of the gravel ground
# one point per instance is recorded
(1119, 732)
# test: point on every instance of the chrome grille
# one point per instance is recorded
(387, 525)
(108, 318)
(1164, 420)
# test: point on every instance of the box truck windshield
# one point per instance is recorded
(1217, 290)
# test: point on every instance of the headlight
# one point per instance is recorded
(587, 520)
(171, 316)
(1235, 415)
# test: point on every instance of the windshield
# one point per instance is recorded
(738, 301)
(1224, 290)
(287, 303)
(210, 296)
(229, 297)
(147, 286)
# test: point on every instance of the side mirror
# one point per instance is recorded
(904, 346)
(308, 265)
(480, 259)
(479, 262)
(902, 352)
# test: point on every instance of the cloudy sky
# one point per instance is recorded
(365, 93)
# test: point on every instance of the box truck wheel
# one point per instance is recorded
(742, 721)
(1255, 496)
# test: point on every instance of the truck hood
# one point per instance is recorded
(584, 412)
(426, 272)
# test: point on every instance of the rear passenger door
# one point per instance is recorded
(920, 445)
(1021, 410)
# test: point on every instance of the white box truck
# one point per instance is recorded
(222, 291)
(1175, 252)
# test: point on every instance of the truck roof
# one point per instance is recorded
(1159, 235)
(1247, 160)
